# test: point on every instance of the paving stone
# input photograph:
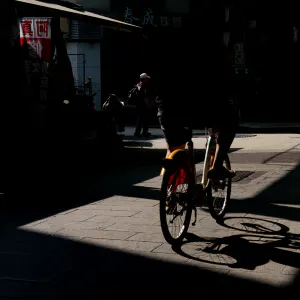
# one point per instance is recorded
(148, 184)
(96, 234)
(46, 228)
(164, 248)
(114, 202)
(208, 222)
(67, 211)
(219, 268)
(271, 267)
(148, 214)
(288, 270)
(86, 225)
(128, 220)
(135, 228)
(271, 279)
(74, 216)
(166, 257)
(123, 245)
(112, 213)
(138, 221)
(101, 219)
(97, 207)
(145, 203)
(148, 237)
(212, 232)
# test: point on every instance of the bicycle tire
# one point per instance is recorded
(214, 212)
(164, 202)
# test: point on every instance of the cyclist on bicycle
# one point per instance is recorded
(178, 106)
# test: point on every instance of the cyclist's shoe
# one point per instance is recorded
(146, 134)
(220, 173)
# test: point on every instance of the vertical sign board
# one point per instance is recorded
(36, 33)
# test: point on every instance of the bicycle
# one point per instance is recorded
(180, 192)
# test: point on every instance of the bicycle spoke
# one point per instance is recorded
(176, 207)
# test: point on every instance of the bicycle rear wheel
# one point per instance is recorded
(176, 203)
(218, 194)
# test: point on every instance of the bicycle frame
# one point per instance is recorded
(210, 150)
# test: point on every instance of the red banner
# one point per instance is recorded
(36, 32)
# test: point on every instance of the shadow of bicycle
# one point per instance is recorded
(260, 242)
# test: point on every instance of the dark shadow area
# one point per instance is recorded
(80, 182)
(36, 265)
(137, 144)
(154, 136)
(251, 157)
(287, 155)
(40, 266)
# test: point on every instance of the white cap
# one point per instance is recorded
(144, 76)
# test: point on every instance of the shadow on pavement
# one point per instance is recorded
(263, 238)
(246, 251)
(39, 266)
(280, 200)
(55, 185)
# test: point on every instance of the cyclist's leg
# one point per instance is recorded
(225, 137)
(224, 132)
(175, 133)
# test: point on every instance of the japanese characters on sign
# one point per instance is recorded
(128, 16)
(149, 18)
(36, 33)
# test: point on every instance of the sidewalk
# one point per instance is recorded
(111, 244)
(245, 127)
(270, 127)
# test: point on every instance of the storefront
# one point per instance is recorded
(35, 167)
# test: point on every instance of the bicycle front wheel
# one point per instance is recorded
(218, 194)
(176, 203)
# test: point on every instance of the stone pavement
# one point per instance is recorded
(111, 244)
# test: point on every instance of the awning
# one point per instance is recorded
(33, 8)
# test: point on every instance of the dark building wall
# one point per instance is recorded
(270, 52)
(125, 55)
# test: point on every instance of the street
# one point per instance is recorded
(109, 244)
